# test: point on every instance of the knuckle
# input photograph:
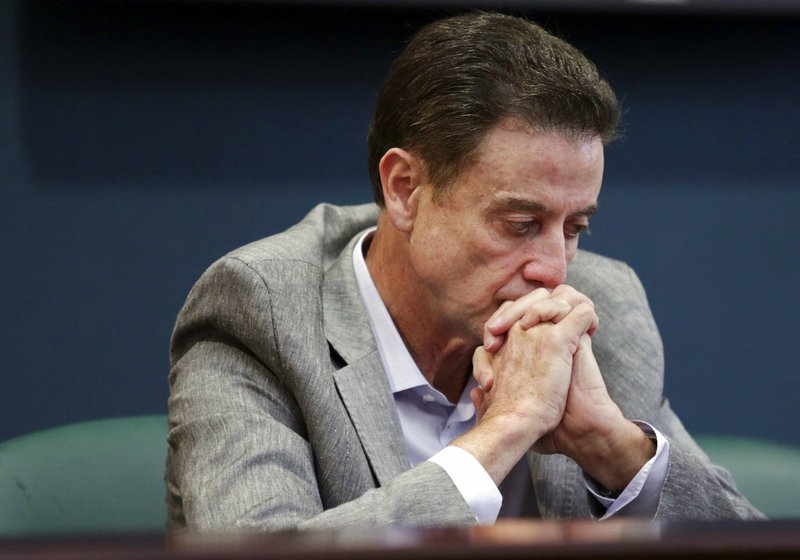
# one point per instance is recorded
(585, 307)
(572, 295)
(530, 315)
(562, 303)
(539, 293)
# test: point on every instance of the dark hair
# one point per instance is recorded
(459, 77)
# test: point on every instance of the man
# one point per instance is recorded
(433, 360)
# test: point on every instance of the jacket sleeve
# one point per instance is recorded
(241, 453)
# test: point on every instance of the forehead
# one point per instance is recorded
(549, 169)
(510, 149)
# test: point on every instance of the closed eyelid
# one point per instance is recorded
(576, 230)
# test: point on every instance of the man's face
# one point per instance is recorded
(509, 224)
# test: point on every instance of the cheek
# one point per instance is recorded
(571, 249)
(438, 257)
(509, 264)
(501, 255)
(503, 271)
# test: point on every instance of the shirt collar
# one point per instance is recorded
(398, 364)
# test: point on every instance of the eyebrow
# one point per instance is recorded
(525, 205)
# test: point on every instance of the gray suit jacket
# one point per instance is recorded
(281, 416)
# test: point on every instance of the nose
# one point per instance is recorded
(547, 263)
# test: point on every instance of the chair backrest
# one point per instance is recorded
(99, 476)
(767, 473)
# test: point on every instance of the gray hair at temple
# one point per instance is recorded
(459, 77)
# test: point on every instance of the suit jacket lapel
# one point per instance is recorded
(362, 383)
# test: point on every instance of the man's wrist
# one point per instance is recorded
(497, 444)
(642, 494)
(614, 460)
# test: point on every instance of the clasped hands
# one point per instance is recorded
(540, 386)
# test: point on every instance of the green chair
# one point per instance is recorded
(767, 473)
(102, 476)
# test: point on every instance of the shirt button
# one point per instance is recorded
(428, 398)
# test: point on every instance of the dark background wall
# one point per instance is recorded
(142, 140)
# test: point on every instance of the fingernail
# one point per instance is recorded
(497, 342)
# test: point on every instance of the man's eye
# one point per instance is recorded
(575, 230)
(521, 227)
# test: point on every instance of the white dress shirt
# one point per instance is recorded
(430, 422)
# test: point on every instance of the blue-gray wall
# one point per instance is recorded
(142, 140)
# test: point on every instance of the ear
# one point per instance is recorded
(401, 176)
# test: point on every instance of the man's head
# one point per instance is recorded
(460, 77)
(487, 155)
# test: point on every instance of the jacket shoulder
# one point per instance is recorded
(608, 282)
(316, 240)
(588, 267)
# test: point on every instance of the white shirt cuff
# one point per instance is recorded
(472, 481)
(642, 494)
